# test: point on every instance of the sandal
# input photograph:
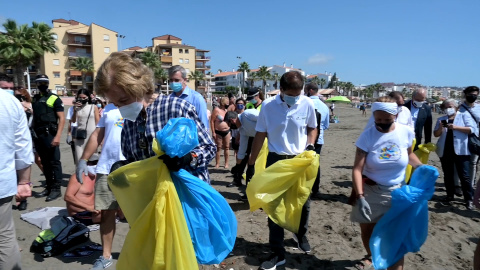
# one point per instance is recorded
(364, 263)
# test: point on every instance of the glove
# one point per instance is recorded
(310, 148)
(364, 208)
(69, 139)
(250, 172)
(174, 164)
(82, 169)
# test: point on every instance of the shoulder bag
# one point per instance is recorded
(473, 140)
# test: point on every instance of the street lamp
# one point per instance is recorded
(120, 40)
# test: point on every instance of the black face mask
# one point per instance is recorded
(20, 98)
(471, 98)
(384, 127)
(83, 101)
(43, 88)
(233, 126)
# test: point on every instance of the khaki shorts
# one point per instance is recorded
(104, 198)
(379, 198)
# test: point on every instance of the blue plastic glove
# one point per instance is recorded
(364, 208)
(82, 169)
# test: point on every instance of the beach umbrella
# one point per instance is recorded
(338, 99)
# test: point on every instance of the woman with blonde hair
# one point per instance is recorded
(383, 153)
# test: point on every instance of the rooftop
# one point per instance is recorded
(167, 37)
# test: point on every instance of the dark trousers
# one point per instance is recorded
(316, 185)
(243, 164)
(463, 169)
(276, 234)
(50, 156)
(448, 167)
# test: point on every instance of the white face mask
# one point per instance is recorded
(450, 111)
(8, 90)
(418, 104)
(131, 110)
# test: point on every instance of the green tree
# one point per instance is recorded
(196, 76)
(264, 75)
(151, 60)
(85, 65)
(315, 80)
(230, 89)
(369, 91)
(377, 88)
(322, 82)
(245, 69)
(349, 87)
(276, 78)
(21, 46)
(252, 78)
(161, 75)
(333, 81)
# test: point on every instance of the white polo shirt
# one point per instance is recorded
(286, 127)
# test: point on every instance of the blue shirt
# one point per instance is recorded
(325, 112)
(198, 102)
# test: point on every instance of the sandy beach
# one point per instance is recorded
(335, 241)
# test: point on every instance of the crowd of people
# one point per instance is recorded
(104, 137)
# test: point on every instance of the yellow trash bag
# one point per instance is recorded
(261, 161)
(423, 153)
(158, 237)
(408, 171)
(282, 189)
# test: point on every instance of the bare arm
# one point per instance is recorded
(212, 122)
(61, 124)
(97, 115)
(413, 159)
(311, 135)
(93, 142)
(439, 131)
(360, 157)
(257, 146)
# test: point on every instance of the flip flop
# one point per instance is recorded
(78, 253)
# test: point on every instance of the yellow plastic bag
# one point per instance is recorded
(261, 161)
(282, 189)
(408, 171)
(423, 153)
(158, 237)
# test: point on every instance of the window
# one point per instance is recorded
(56, 74)
(81, 51)
(80, 40)
(56, 62)
(186, 50)
(187, 70)
(106, 49)
(106, 37)
(180, 60)
(187, 61)
(54, 36)
(180, 50)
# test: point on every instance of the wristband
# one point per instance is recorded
(28, 183)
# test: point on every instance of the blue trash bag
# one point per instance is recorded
(210, 220)
(404, 228)
(178, 137)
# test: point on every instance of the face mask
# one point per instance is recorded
(43, 88)
(384, 127)
(83, 101)
(131, 110)
(253, 101)
(8, 90)
(99, 106)
(176, 86)
(20, 98)
(450, 111)
(290, 100)
(418, 104)
(471, 98)
(233, 126)
(240, 106)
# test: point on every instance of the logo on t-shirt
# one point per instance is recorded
(389, 151)
(119, 123)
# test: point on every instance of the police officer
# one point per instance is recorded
(48, 121)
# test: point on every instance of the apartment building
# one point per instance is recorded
(74, 39)
(172, 51)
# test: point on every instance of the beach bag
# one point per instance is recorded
(74, 233)
(404, 228)
(211, 222)
(473, 140)
(282, 189)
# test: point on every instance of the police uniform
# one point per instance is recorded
(45, 126)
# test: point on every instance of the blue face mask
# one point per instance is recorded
(253, 101)
(176, 86)
(240, 106)
(290, 100)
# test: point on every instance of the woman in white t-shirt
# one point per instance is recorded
(383, 153)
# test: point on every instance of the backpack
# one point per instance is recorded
(72, 234)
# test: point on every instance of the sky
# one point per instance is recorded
(431, 42)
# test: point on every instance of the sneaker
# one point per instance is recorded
(303, 244)
(458, 192)
(54, 194)
(102, 263)
(272, 262)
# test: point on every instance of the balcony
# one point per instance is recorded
(80, 43)
(202, 67)
(77, 80)
(166, 65)
(201, 57)
(75, 55)
(166, 59)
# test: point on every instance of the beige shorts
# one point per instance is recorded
(104, 198)
(379, 198)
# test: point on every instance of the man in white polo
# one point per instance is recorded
(289, 123)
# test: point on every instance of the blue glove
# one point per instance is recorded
(82, 168)
(364, 208)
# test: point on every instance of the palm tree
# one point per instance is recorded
(161, 75)
(276, 78)
(21, 46)
(245, 69)
(264, 75)
(316, 80)
(252, 78)
(196, 76)
(85, 65)
(322, 82)
(151, 60)
(349, 87)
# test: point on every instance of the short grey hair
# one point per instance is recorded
(418, 91)
(449, 101)
(174, 69)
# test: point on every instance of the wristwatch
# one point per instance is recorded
(194, 162)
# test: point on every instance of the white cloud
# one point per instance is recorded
(319, 59)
